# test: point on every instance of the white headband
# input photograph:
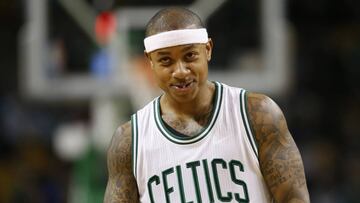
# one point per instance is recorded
(175, 38)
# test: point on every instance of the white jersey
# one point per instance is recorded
(219, 164)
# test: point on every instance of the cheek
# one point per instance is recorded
(161, 74)
(204, 74)
(202, 67)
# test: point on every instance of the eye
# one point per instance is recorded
(165, 61)
(191, 55)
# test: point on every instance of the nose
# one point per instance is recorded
(181, 70)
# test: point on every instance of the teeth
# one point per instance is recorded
(183, 85)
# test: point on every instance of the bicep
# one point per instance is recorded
(282, 168)
(279, 157)
(121, 186)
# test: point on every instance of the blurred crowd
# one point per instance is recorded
(322, 105)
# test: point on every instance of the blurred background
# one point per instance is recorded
(72, 71)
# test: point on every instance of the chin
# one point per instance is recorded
(185, 98)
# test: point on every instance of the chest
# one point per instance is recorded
(199, 171)
(185, 126)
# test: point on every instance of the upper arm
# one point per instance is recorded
(121, 186)
(279, 157)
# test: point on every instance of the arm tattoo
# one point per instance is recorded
(121, 186)
(279, 157)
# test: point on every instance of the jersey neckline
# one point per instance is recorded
(172, 136)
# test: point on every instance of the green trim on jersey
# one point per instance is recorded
(246, 121)
(247, 115)
(134, 145)
(178, 139)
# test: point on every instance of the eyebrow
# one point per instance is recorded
(163, 53)
(186, 48)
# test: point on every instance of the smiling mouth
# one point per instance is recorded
(182, 85)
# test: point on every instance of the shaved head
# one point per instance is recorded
(174, 18)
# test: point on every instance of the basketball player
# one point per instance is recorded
(201, 141)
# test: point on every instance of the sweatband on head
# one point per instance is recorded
(175, 38)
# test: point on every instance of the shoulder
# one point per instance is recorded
(257, 101)
(260, 105)
(121, 137)
(265, 116)
(119, 151)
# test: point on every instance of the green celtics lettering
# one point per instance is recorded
(210, 172)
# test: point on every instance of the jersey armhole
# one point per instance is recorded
(247, 124)
(134, 143)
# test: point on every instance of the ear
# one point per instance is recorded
(147, 55)
(209, 47)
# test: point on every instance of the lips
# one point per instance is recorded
(182, 85)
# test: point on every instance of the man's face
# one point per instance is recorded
(181, 71)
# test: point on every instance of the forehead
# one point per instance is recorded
(174, 49)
